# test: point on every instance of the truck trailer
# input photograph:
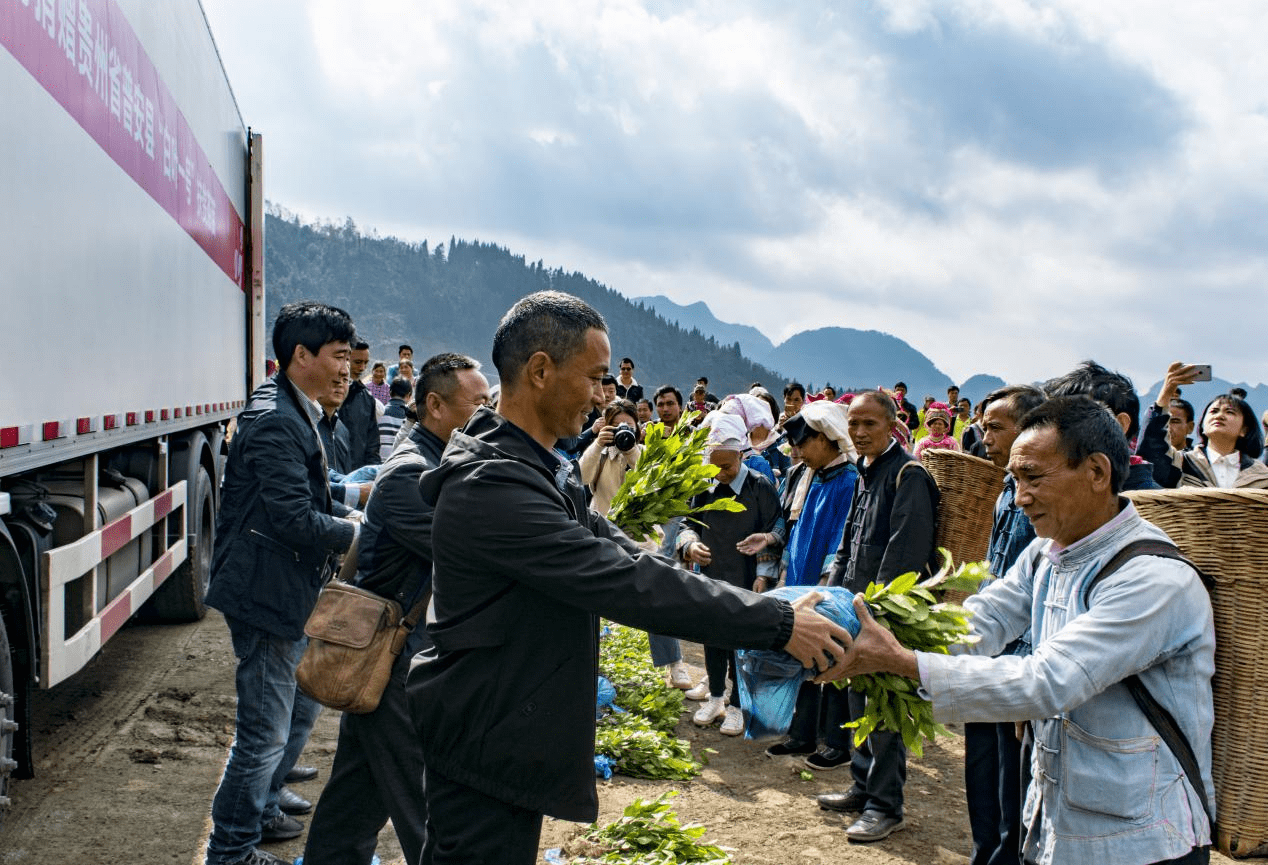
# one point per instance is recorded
(133, 307)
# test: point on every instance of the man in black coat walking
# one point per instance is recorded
(504, 701)
(360, 414)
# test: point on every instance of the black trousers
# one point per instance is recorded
(820, 712)
(718, 664)
(992, 786)
(879, 765)
(466, 827)
(378, 773)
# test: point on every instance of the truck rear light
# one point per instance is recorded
(149, 415)
(85, 425)
(54, 429)
(164, 414)
(131, 418)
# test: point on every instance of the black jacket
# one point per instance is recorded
(394, 552)
(504, 702)
(890, 529)
(361, 417)
(275, 530)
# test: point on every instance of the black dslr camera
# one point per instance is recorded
(624, 437)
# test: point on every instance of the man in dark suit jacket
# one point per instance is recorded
(275, 535)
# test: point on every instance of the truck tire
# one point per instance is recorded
(181, 597)
(8, 693)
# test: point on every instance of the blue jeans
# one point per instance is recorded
(273, 722)
(665, 650)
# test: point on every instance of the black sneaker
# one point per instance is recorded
(790, 746)
(284, 827)
(826, 759)
(261, 857)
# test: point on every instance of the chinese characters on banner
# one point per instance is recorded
(88, 58)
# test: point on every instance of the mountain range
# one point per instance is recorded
(846, 358)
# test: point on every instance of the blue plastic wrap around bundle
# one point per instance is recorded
(769, 680)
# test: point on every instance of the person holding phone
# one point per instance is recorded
(1229, 444)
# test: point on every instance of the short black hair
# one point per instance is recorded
(546, 321)
(439, 375)
(953, 387)
(1251, 442)
(667, 389)
(607, 379)
(360, 345)
(311, 324)
(1239, 392)
(1020, 399)
(1186, 407)
(704, 379)
(883, 399)
(901, 384)
(399, 388)
(403, 347)
(1113, 389)
(1085, 427)
(755, 384)
(378, 364)
(794, 387)
(628, 360)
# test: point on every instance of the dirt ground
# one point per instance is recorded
(129, 753)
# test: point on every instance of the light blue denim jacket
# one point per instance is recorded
(1106, 787)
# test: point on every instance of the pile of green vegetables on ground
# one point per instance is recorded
(647, 833)
(912, 611)
(640, 739)
(670, 470)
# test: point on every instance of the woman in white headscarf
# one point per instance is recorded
(756, 415)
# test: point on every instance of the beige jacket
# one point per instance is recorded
(603, 469)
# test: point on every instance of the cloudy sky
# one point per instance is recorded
(1009, 186)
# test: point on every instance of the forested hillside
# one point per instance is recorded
(450, 298)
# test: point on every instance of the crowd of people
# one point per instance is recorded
(488, 505)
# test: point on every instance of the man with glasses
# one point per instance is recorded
(626, 386)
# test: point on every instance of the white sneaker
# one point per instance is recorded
(679, 676)
(709, 712)
(733, 723)
(699, 692)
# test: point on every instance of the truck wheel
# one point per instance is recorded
(180, 598)
(7, 725)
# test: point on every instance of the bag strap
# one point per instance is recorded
(1155, 712)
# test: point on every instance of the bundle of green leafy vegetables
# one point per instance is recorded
(670, 470)
(913, 612)
(647, 833)
(639, 739)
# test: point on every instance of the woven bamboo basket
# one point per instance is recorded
(969, 487)
(1225, 533)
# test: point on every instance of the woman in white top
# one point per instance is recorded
(605, 462)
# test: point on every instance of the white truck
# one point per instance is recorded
(132, 302)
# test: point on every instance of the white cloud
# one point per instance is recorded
(1009, 186)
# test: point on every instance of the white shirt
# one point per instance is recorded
(1225, 468)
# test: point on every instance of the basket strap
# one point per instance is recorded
(1155, 712)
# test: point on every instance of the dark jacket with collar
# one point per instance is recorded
(504, 702)
(360, 415)
(394, 551)
(890, 529)
(275, 530)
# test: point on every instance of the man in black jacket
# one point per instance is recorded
(378, 771)
(360, 414)
(889, 532)
(504, 701)
(275, 535)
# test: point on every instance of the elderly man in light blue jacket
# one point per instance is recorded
(1107, 787)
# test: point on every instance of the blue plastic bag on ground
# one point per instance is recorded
(605, 698)
(769, 680)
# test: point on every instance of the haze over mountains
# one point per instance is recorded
(841, 356)
(450, 298)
